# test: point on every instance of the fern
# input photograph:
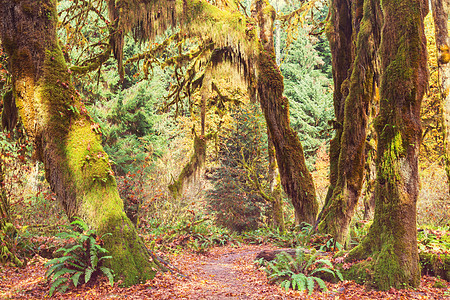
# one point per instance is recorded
(297, 272)
(80, 260)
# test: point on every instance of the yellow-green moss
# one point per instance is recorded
(130, 256)
(191, 168)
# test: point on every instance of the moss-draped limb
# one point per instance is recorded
(232, 31)
(235, 38)
(337, 214)
(64, 136)
(93, 63)
(192, 168)
(390, 250)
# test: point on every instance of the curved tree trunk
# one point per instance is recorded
(391, 243)
(191, 170)
(65, 138)
(295, 177)
(440, 15)
(337, 214)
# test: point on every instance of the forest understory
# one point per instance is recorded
(223, 273)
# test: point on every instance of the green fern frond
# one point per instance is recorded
(323, 270)
(62, 272)
(76, 278)
(310, 284)
(80, 223)
(56, 284)
(88, 274)
(321, 283)
(109, 274)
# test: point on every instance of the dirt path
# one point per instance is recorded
(226, 273)
(227, 282)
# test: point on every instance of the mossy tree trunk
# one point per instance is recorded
(440, 15)
(389, 251)
(275, 186)
(295, 177)
(64, 136)
(338, 212)
(339, 32)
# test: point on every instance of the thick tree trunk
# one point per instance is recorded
(295, 177)
(336, 216)
(65, 138)
(339, 32)
(440, 15)
(391, 243)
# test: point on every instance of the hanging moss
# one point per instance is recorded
(192, 168)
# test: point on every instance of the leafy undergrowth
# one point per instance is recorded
(224, 273)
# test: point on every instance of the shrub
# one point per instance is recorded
(82, 258)
(300, 272)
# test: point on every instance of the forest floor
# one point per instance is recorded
(223, 273)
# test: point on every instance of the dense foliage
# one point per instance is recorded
(308, 87)
(301, 271)
(233, 200)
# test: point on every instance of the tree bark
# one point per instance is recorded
(440, 15)
(339, 31)
(391, 243)
(295, 177)
(275, 187)
(65, 138)
(337, 214)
